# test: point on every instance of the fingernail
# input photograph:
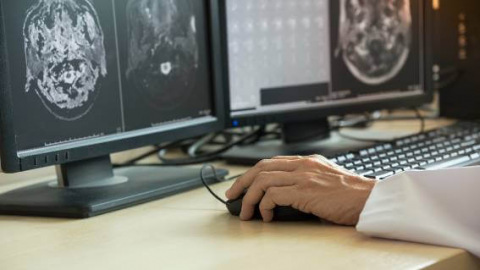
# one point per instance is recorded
(227, 193)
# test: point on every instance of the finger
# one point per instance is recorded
(325, 160)
(261, 184)
(247, 179)
(329, 166)
(289, 157)
(276, 196)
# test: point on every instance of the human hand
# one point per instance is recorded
(313, 185)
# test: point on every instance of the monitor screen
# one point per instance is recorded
(83, 72)
(290, 55)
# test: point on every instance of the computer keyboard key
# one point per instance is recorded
(380, 175)
(364, 172)
(457, 145)
(475, 156)
(447, 163)
(350, 156)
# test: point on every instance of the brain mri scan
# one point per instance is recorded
(163, 54)
(65, 55)
(375, 38)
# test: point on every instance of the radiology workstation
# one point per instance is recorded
(144, 133)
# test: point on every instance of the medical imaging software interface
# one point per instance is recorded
(85, 69)
(296, 54)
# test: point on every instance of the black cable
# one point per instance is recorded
(201, 159)
(150, 153)
(183, 162)
(141, 157)
(419, 116)
(204, 181)
(202, 177)
(422, 120)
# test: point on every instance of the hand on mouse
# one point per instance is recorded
(313, 185)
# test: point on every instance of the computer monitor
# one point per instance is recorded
(81, 79)
(298, 62)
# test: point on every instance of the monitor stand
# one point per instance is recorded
(91, 187)
(299, 138)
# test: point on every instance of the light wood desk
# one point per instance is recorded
(194, 231)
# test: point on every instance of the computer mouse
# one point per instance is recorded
(280, 213)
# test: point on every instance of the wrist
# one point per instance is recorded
(364, 189)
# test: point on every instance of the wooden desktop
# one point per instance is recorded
(194, 231)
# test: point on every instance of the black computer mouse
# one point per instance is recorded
(280, 213)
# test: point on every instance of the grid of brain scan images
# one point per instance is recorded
(276, 43)
(316, 51)
(90, 68)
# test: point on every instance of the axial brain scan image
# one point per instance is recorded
(375, 38)
(65, 55)
(163, 54)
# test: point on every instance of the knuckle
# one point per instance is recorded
(311, 162)
(271, 192)
(260, 179)
(263, 176)
(305, 177)
(263, 163)
(309, 180)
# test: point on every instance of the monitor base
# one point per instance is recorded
(144, 184)
(251, 154)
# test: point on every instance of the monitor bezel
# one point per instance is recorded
(317, 113)
(12, 163)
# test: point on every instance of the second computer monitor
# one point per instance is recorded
(299, 59)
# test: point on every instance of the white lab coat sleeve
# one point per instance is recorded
(434, 207)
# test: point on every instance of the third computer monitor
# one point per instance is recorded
(288, 58)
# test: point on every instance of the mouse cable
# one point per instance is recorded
(214, 171)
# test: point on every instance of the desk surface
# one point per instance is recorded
(194, 231)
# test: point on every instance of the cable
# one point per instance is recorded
(150, 153)
(419, 116)
(202, 177)
(204, 181)
(141, 157)
(161, 151)
(193, 149)
(422, 120)
(201, 159)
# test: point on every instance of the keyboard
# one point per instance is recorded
(457, 145)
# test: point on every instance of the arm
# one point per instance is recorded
(436, 207)
(312, 185)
